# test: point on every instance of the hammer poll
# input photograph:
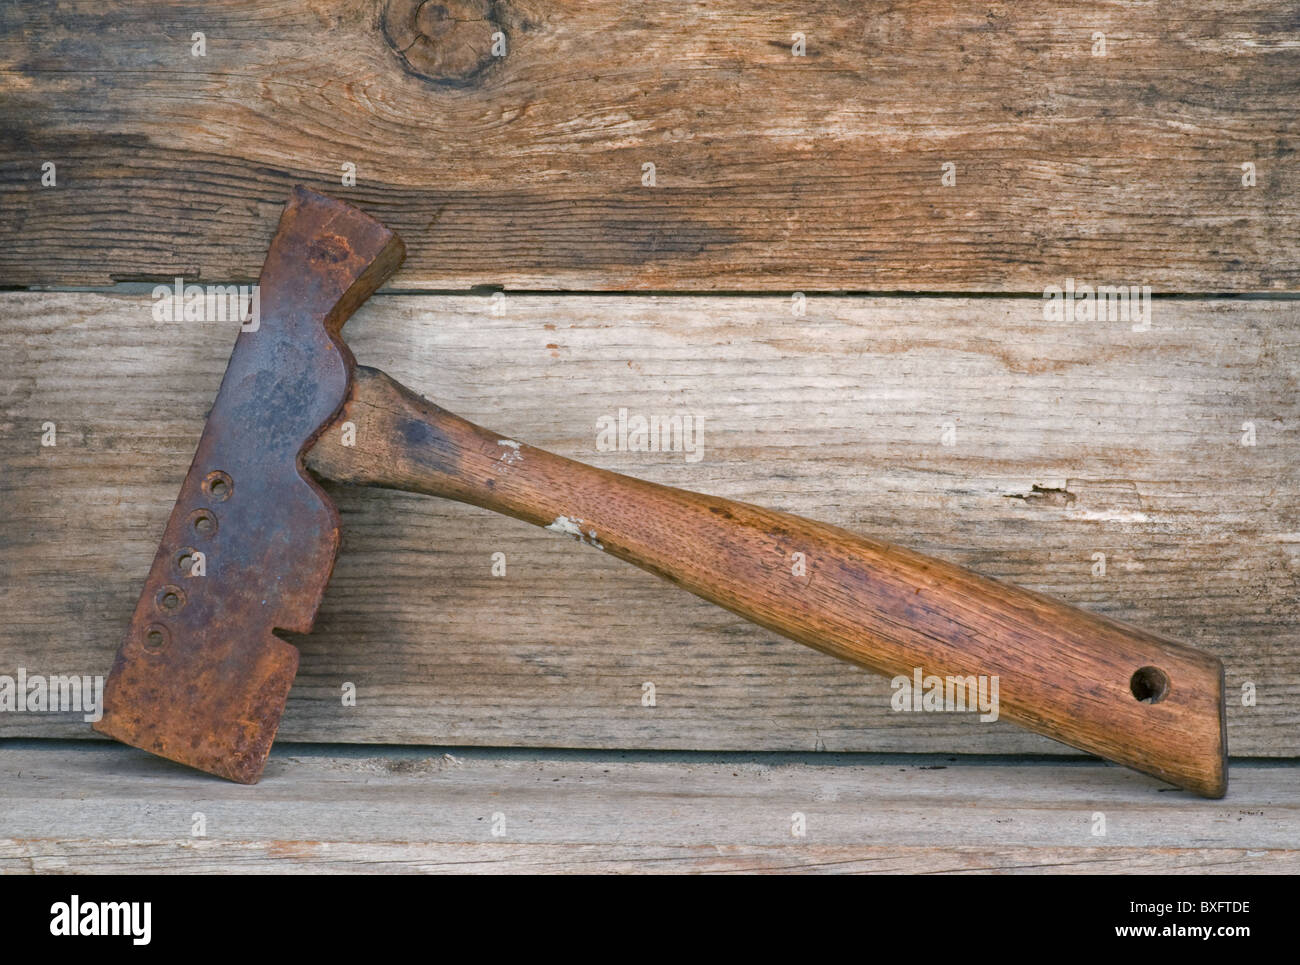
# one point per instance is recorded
(202, 678)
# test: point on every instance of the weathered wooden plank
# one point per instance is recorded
(772, 171)
(416, 811)
(1070, 440)
(147, 856)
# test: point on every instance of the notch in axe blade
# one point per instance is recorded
(202, 679)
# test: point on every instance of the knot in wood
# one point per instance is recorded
(445, 41)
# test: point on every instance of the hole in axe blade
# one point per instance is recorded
(156, 638)
(170, 598)
(218, 485)
(203, 522)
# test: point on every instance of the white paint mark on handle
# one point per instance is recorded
(512, 454)
(573, 527)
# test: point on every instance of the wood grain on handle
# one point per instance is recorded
(1103, 686)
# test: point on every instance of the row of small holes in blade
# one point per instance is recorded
(191, 560)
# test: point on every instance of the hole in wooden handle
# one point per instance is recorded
(1149, 685)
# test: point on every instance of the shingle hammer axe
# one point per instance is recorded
(202, 678)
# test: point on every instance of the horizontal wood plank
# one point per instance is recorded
(771, 171)
(1070, 440)
(321, 810)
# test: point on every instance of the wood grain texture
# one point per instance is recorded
(1071, 440)
(772, 172)
(428, 811)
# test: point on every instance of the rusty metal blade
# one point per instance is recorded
(201, 678)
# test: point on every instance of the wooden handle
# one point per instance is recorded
(1100, 685)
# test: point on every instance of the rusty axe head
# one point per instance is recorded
(201, 677)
